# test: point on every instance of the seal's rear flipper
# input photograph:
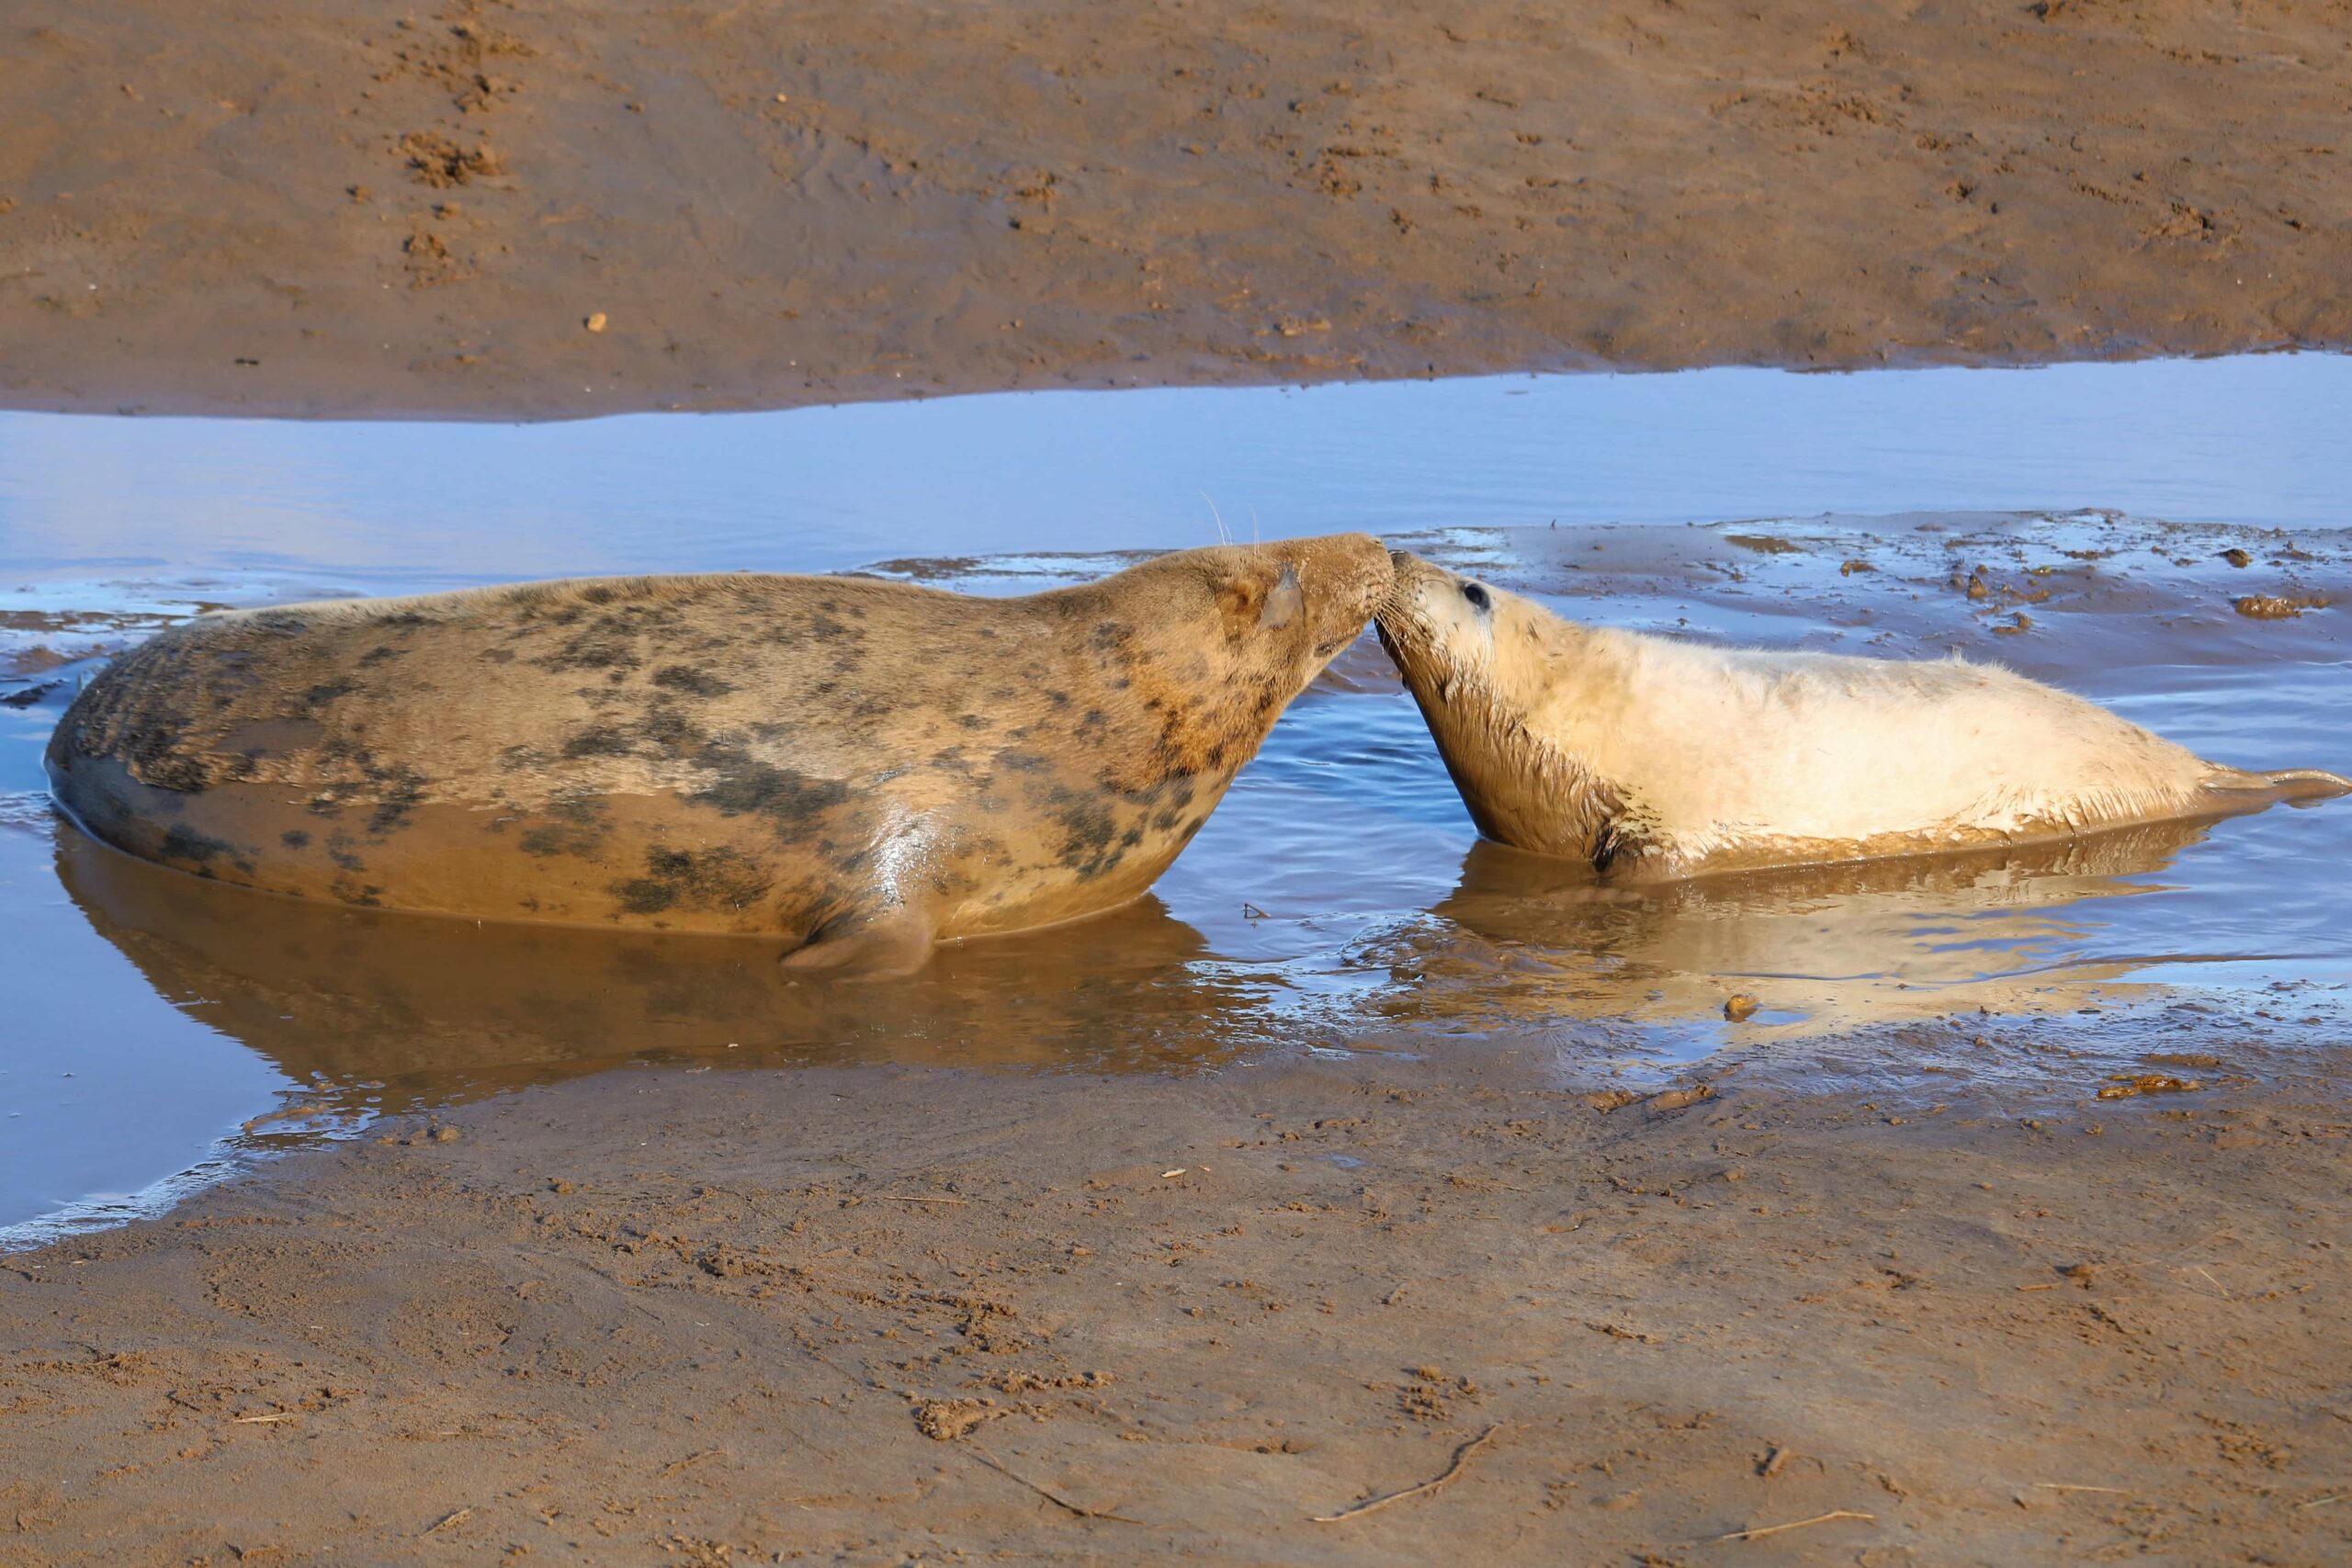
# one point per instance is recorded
(897, 943)
(2238, 788)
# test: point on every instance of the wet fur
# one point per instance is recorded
(1655, 759)
(858, 766)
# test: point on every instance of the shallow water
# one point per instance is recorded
(1339, 900)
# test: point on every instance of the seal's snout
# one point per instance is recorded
(1408, 569)
(1401, 564)
(1402, 604)
(1348, 577)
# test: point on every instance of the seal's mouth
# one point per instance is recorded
(1402, 614)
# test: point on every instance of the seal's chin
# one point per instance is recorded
(1411, 644)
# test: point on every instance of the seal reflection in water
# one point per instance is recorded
(859, 767)
(1652, 758)
(378, 1010)
(2011, 928)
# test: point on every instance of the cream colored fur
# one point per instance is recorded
(1693, 758)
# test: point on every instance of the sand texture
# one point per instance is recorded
(546, 207)
(1138, 1320)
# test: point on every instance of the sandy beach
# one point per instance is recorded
(333, 209)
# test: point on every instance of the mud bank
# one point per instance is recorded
(539, 209)
(1130, 1320)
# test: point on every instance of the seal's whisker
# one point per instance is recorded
(1222, 537)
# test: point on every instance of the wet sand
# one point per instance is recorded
(713, 1318)
(334, 208)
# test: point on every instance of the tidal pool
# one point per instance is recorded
(160, 1029)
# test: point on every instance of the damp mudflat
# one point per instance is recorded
(2093, 526)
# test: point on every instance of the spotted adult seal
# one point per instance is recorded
(1652, 758)
(860, 767)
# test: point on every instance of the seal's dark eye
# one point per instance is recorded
(1476, 593)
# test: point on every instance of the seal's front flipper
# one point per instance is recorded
(897, 943)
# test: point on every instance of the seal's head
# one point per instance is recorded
(1488, 669)
(1196, 652)
(1291, 605)
(1230, 632)
(1446, 631)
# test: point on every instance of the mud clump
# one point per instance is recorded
(2277, 608)
(725, 1261)
(945, 1420)
(431, 262)
(435, 161)
(2148, 1083)
(30, 696)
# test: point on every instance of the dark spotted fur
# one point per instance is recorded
(810, 757)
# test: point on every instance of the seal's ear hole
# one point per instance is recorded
(1285, 604)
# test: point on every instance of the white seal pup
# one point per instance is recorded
(1653, 759)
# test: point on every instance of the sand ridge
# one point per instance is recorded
(334, 209)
